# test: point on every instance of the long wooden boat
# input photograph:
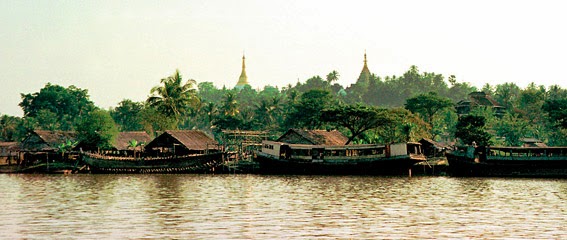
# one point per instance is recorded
(194, 163)
(508, 161)
(40, 167)
(285, 158)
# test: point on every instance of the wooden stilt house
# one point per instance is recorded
(182, 142)
(43, 145)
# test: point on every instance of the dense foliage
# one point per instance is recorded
(374, 109)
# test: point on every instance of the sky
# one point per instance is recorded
(121, 49)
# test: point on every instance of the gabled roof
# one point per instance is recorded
(123, 139)
(190, 139)
(433, 143)
(318, 137)
(479, 99)
(56, 137)
(44, 140)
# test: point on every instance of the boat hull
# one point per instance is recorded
(377, 166)
(464, 166)
(53, 167)
(202, 163)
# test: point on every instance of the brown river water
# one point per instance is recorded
(189, 206)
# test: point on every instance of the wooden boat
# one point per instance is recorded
(52, 167)
(285, 158)
(508, 161)
(194, 163)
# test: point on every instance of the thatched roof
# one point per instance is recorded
(122, 141)
(43, 140)
(190, 139)
(433, 143)
(9, 149)
(315, 137)
(483, 99)
(9, 145)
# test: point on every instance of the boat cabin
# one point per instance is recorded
(304, 151)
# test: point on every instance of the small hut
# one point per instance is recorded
(181, 142)
(432, 148)
(479, 99)
(122, 143)
(42, 145)
(313, 137)
(9, 152)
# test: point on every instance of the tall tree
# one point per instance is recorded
(427, 105)
(471, 129)
(128, 115)
(9, 128)
(557, 112)
(97, 129)
(512, 128)
(313, 83)
(306, 112)
(356, 118)
(230, 106)
(66, 105)
(507, 95)
(333, 76)
(173, 98)
(405, 126)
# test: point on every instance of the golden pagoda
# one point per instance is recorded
(243, 79)
(365, 73)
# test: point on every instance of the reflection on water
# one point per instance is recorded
(279, 207)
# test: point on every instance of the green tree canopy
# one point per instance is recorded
(66, 105)
(427, 105)
(356, 118)
(10, 130)
(471, 128)
(306, 112)
(97, 129)
(128, 115)
(173, 98)
(557, 111)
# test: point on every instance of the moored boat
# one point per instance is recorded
(370, 159)
(508, 161)
(193, 163)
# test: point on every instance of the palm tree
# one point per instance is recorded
(67, 146)
(332, 77)
(8, 126)
(134, 144)
(230, 104)
(269, 110)
(173, 97)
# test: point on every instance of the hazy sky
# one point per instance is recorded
(121, 49)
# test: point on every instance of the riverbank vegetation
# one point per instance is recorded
(374, 109)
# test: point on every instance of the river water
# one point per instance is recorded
(85, 206)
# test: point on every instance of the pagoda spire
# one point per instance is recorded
(243, 79)
(365, 73)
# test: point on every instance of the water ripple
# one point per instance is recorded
(279, 207)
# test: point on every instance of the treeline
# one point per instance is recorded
(372, 110)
